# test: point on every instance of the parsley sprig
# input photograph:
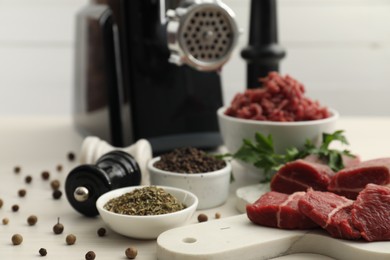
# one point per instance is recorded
(262, 155)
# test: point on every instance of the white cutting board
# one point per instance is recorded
(249, 194)
(237, 238)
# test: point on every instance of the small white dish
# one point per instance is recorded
(146, 227)
(211, 188)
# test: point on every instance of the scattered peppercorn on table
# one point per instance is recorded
(38, 152)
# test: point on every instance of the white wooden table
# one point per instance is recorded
(39, 144)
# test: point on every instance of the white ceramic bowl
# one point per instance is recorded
(146, 227)
(284, 134)
(211, 188)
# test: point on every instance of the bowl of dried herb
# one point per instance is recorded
(192, 169)
(144, 212)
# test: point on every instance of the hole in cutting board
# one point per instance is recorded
(189, 240)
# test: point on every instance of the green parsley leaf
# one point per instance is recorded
(261, 153)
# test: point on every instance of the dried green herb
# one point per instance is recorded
(148, 200)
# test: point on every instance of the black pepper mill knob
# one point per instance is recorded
(86, 183)
(263, 53)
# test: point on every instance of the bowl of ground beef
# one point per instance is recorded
(194, 170)
(280, 109)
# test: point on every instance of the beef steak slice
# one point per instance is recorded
(275, 209)
(350, 181)
(330, 211)
(371, 213)
(300, 175)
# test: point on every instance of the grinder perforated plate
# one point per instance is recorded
(205, 37)
(207, 34)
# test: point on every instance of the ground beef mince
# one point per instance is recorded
(189, 160)
(279, 99)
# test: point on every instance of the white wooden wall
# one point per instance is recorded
(36, 56)
(340, 49)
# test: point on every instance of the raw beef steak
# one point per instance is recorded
(330, 211)
(275, 209)
(300, 175)
(350, 181)
(348, 161)
(371, 213)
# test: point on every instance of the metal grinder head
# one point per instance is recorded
(201, 34)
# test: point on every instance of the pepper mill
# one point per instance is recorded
(87, 182)
(93, 148)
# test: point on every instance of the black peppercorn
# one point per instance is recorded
(45, 175)
(101, 232)
(90, 255)
(42, 251)
(22, 193)
(5, 221)
(59, 168)
(15, 208)
(217, 215)
(17, 239)
(57, 194)
(70, 239)
(17, 169)
(71, 156)
(55, 184)
(32, 220)
(58, 228)
(1, 203)
(28, 179)
(131, 252)
(202, 217)
(189, 160)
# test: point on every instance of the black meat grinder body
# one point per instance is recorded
(126, 85)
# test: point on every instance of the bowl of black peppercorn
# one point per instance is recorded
(192, 169)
